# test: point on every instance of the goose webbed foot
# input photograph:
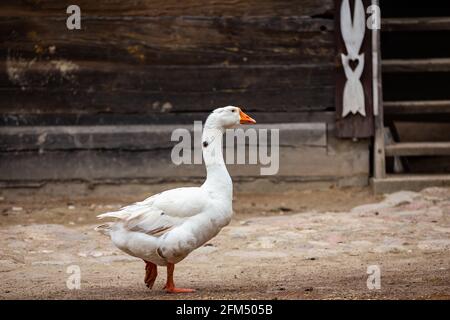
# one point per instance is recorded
(170, 285)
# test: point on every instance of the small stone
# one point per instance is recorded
(16, 209)
(96, 254)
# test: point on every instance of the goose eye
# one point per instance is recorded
(205, 144)
(232, 110)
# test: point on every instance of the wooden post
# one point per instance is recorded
(379, 143)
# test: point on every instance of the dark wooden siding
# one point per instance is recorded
(164, 61)
(99, 104)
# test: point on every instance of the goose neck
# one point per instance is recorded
(217, 176)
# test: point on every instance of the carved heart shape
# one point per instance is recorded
(353, 63)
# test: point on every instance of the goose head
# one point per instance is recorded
(229, 117)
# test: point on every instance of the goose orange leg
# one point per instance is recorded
(170, 285)
(151, 271)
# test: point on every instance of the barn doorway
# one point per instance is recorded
(415, 54)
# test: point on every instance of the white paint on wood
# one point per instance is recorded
(353, 30)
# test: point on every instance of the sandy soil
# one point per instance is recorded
(306, 244)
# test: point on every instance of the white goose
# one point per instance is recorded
(164, 228)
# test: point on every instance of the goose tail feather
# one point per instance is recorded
(104, 228)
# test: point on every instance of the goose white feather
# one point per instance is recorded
(163, 229)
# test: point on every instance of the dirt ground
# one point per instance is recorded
(304, 244)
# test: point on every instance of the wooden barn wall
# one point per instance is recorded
(146, 61)
(76, 105)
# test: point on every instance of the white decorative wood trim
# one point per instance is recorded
(353, 31)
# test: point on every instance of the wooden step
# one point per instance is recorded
(397, 182)
(416, 65)
(418, 149)
(415, 24)
(417, 107)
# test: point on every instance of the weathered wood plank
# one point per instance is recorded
(393, 183)
(172, 40)
(113, 165)
(139, 137)
(350, 160)
(418, 149)
(74, 102)
(379, 157)
(84, 88)
(85, 137)
(97, 76)
(52, 119)
(416, 65)
(416, 24)
(417, 107)
(169, 7)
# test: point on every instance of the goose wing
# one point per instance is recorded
(162, 212)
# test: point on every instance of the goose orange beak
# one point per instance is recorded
(245, 118)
